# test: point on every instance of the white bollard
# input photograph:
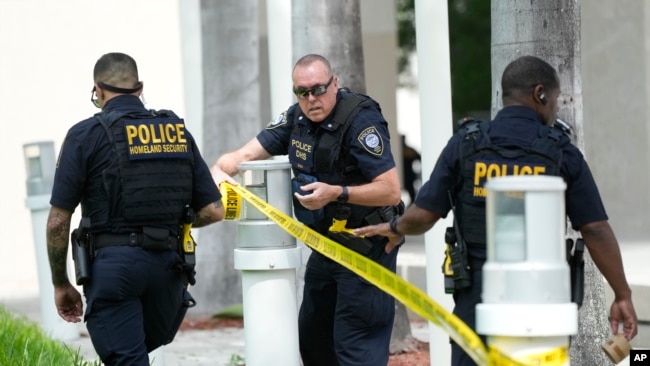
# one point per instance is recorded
(527, 311)
(268, 258)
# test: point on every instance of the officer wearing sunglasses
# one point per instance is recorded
(339, 147)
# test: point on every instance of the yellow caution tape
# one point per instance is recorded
(554, 357)
(231, 201)
(389, 282)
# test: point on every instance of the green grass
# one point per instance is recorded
(23, 343)
(237, 360)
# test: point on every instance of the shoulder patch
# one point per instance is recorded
(278, 121)
(371, 140)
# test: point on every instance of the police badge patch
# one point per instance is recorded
(278, 121)
(371, 141)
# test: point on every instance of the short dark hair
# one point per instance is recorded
(311, 58)
(525, 73)
(117, 69)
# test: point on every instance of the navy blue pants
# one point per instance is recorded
(134, 303)
(465, 308)
(345, 320)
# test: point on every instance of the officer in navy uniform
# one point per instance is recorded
(530, 91)
(338, 145)
(135, 172)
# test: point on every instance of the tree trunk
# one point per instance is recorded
(333, 29)
(231, 95)
(551, 31)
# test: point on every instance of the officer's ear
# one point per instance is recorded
(539, 95)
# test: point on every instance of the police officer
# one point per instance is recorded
(135, 172)
(522, 141)
(338, 145)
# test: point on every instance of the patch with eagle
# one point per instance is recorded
(278, 121)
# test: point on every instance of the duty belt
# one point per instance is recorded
(134, 240)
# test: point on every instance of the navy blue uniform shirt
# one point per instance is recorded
(517, 124)
(86, 151)
(276, 138)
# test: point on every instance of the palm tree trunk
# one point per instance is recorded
(231, 104)
(551, 31)
(332, 29)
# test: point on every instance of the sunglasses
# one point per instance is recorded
(316, 91)
(114, 89)
(93, 97)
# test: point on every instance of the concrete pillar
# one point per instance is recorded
(434, 83)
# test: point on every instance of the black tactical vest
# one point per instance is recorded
(324, 152)
(149, 180)
(480, 160)
(330, 160)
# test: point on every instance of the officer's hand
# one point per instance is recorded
(623, 311)
(320, 195)
(68, 303)
(383, 229)
(219, 176)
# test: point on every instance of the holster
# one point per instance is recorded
(456, 264)
(384, 214)
(450, 284)
(339, 232)
(359, 245)
(187, 249)
(460, 267)
(575, 257)
(81, 254)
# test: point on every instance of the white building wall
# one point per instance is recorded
(616, 99)
(47, 53)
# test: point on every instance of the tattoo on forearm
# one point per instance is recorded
(58, 228)
(202, 220)
(58, 258)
